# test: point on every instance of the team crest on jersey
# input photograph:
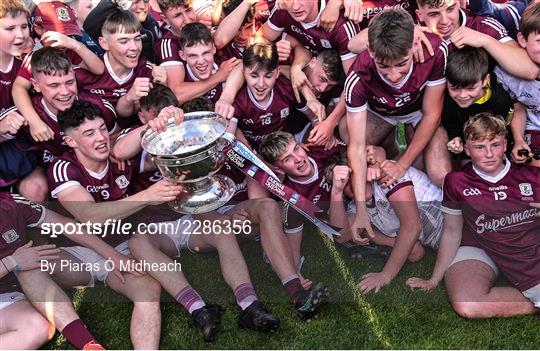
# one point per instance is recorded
(122, 181)
(63, 14)
(10, 236)
(284, 112)
(526, 189)
(326, 44)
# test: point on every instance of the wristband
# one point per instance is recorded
(16, 267)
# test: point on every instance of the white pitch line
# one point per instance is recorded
(360, 302)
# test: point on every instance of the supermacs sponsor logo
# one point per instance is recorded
(273, 184)
(501, 223)
(237, 160)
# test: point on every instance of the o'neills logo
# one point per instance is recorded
(235, 158)
(275, 185)
(505, 222)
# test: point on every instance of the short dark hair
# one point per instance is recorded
(80, 111)
(391, 34)
(261, 56)
(332, 66)
(50, 61)
(230, 5)
(193, 34)
(530, 20)
(467, 66)
(198, 104)
(164, 5)
(159, 97)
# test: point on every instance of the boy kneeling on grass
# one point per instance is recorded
(491, 220)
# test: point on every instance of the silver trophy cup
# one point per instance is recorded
(190, 153)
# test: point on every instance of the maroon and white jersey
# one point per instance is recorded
(167, 48)
(109, 86)
(497, 217)
(482, 24)
(261, 11)
(373, 7)
(313, 37)
(111, 184)
(213, 94)
(6, 83)
(57, 146)
(17, 213)
(317, 188)
(229, 51)
(256, 120)
(366, 88)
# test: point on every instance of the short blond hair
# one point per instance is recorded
(13, 8)
(484, 126)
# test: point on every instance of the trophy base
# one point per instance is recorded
(204, 196)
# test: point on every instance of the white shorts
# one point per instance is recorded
(7, 299)
(474, 253)
(94, 263)
(533, 294)
(178, 231)
(412, 118)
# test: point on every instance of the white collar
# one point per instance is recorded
(10, 66)
(315, 22)
(498, 177)
(48, 112)
(118, 80)
(403, 81)
(99, 175)
(194, 77)
(256, 103)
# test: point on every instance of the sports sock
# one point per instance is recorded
(245, 295)
(77, 334)
(190, 299)
(293, 286)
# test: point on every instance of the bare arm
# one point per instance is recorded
(356, 124)
(229, 26)
(450, 241)
(517, 126)
(38, 129)
(359, 42)
(77, 201)
(508, 55)
(129, 145)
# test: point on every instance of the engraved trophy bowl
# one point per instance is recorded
(190, 153)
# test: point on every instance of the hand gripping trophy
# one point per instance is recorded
(188, 149)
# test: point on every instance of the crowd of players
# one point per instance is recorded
(317, 89)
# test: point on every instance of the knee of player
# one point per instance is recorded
(138, 243)
(268, 207)
(417, 253)
(468, 309)
(37, 330)
(36, 190)
(437, 175)
(146, 289)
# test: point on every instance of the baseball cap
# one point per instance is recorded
(57, 16)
